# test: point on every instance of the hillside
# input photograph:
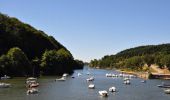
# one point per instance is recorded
(16, 36)
(138, 58)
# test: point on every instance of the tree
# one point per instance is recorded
(57, 62)
(148, 59)
(166, 61)
(134, 63)
(20, 65)
(4, 65)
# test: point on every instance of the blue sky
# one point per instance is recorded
(94, 28)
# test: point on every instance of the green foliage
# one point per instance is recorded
(56, 62)
(166, 61)
(134, 63)
(135, 58)
(32, 45)
(19, 63)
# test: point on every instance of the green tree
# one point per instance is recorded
(134, 63)
(20, 65)
(57, 62)
(166, 61)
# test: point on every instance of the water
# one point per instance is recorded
(77, 88)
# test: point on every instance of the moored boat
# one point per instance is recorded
(103, 93)
(5, 77)
(163, 85)
(167, 91)
(91, 86)
(32, 91)
(61, 79)
(90, 79)
(112, 89)
(5, 85)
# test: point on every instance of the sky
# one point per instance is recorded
(91, 29)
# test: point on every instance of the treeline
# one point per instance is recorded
(25, 51)
(138, 58)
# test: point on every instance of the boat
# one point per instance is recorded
(108, 75)
(65, 75)
(127, 82)
(5, 85)
(103, 93)
(31, 80)
(61, 79)
(91, 86)
(143, 81)
(90, 79)
(163, 85)
(32, 91)
(31, 85)
(112, 89)
(79, 74)
(167, 91)
(5, 77)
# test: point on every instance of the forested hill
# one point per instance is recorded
(14, 33)
(136, 58)
(40, 51)
(145, 50)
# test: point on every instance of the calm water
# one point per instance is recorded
(77, 88)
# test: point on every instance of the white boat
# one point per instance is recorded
(90, 79)
(108, 75)
(125, 79)
(79, 74)
(31, 80)
(32, 91)
(5, 85)
(61, 79)
(127, 82)
(5, 77)
(31, 85)
(103, 93)
(143, 81)
(167, 91)
(112, 89)
(91, 86)
(65, 75)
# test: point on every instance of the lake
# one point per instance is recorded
(77, 88)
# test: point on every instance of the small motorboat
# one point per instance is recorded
(143, 81)
(32, 85)
(32, 91)
(167, 91)
(127, 82)
(90, 79)
(5, 77)
(103, 93)
(112, 89)
(65, 75)
(108, 75)
(163, 85)
(79, 74)
(5, 85)
(31, 80)
(61, 79)
(91, 86)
